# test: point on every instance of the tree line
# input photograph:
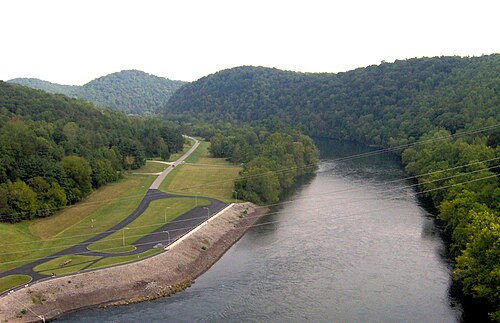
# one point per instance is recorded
(272, 159)
(131, 91)
(55, 150)
(393, 105)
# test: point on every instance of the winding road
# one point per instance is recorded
(176, 229)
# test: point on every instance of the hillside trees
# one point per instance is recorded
(452, 104)
(272, 160)
(55, 150)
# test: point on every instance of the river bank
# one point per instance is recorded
(155, 277)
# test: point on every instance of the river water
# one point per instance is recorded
(351, 244)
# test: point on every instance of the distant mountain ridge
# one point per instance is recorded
(130, 91)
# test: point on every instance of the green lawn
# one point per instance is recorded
(108, 261)
(151, 167)
(150, 220)
(203, 176)
(201, 150)
(26, 241)
(65, 264)
(12, 281)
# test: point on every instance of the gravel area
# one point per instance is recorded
(158, 276)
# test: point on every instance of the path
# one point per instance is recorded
(176, 229)
(161, 177)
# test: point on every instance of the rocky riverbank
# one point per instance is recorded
(158, 276)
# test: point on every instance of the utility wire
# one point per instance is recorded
(350, 203)
(322, 194)
(283, 170)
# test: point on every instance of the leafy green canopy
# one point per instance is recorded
(130, 91)
(55, 150)
(272, 160)
(388, 105)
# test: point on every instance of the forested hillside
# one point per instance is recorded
(388, 104)
(55, 150)
(449, 104)
(46, 86)
(130, 91)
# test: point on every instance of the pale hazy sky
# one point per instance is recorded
(74, 41)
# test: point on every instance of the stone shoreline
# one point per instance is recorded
(159, 276)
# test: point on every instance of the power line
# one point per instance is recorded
(324, 193)
(152, 242)
(287, 169)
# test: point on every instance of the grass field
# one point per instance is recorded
(151, 167)
(24, 242)
(12, 281)
(158, 214)
(29, 240)
(121, 259)
(65, 264)
(203, 175)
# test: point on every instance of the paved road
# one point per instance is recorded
(177, 228)
(161, 177)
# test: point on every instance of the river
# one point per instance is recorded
(351, 244)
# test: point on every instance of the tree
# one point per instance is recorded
(78, 177)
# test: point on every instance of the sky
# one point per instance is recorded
(73, 42)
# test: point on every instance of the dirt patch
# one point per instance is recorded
(158, 276)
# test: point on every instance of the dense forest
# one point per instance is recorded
(388, 104)
(54, 150)
(282, 155)
(130, 91)
(442, 115)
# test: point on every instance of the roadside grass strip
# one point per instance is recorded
(65, 264)
(109, 261)
(23, 242)
(175, 156)
(200, 151)
(200, 177)
(192, 180)
(12, 281)
(156, 215)
(150, 167)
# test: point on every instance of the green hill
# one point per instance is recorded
(46, 86)
(380, 105)
(450, 104)
(130, 91)
(54, 150)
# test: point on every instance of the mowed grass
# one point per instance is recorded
(203, 175)
(27, 241)
(151, 167)
(65, 264)
(12, 281)
(108, 261)
(200, 151)
(152, 219)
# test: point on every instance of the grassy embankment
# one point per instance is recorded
(203, 175)
(151, 167)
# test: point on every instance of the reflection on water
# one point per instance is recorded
(347, 246)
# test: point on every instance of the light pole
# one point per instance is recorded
(208, 212)
(123, 236)
(168, 237)
(168, 207)
(235, 195)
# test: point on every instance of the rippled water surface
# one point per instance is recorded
(351, 244)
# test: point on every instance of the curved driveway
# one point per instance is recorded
(176, 229)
